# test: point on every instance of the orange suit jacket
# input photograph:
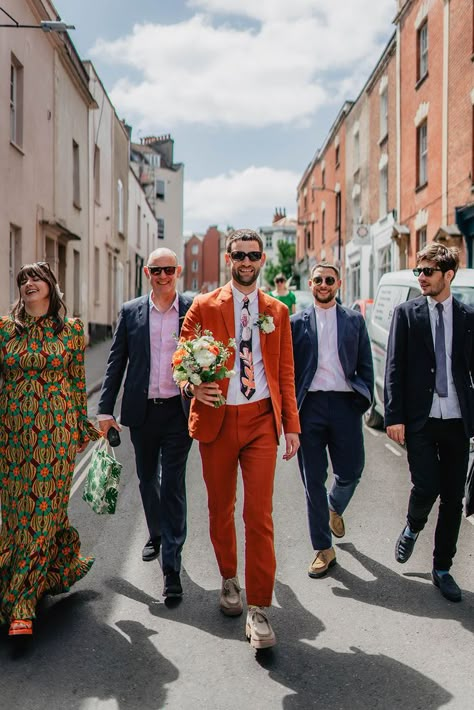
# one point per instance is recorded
(215, 312)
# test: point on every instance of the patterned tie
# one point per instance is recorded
(247, 378)
(441, 382)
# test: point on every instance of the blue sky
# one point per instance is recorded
(247, 88)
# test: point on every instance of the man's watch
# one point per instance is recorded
(187, 391)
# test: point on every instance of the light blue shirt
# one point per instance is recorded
(444, 407)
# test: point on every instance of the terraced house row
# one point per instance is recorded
(397, 166)
(74, 190)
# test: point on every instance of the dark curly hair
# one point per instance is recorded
(57, 307)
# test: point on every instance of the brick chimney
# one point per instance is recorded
(280, 213)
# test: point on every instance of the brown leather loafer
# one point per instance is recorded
(322, 562)
(258, 630)
(336, 524)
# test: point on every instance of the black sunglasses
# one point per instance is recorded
(240, 255)
(280, 281)
(328, 280)
(426, 271)
(156, 270)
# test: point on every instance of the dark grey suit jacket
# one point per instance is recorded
(353, 347)
(411, 364)
(131, 351)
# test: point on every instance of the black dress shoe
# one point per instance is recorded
(172, 586)
(151, 550)
(447, 586)
(404, 547)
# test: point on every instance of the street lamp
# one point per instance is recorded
(322, 188)
(45, 25)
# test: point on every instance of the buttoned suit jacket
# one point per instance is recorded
(411, 365)
(130, 351)
(353, 348)
(215, 312)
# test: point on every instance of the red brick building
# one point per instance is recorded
(202, 257)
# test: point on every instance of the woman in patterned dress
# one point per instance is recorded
(43, 425)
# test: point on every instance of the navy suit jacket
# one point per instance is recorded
(411, 364)
(131, 347)
(353, 348)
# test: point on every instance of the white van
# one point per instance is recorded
(394, 288)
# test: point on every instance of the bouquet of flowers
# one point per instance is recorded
(202, 359)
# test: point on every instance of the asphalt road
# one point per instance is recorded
(372, 634)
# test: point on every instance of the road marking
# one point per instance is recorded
(371, 431)
(393, 450)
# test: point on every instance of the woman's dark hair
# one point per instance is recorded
(57, 307)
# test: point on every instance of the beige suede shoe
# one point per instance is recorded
(258, 630)
(336, 524)
(322, 562)
(230, 600)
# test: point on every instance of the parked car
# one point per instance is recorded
(364, 306)
(394, 288)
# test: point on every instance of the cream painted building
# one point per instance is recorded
(142, 236)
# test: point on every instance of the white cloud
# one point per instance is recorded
(250, 195)
(202, 71)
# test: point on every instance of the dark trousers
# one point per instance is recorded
(161, 449)
(438, 457)
(330, 421)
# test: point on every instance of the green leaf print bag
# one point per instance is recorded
(102, 482)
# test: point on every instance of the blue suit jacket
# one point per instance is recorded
(131, 350)
(410, 371)
(353, 349)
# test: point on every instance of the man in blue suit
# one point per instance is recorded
(153, 409)
(429, 405)
(334, 387)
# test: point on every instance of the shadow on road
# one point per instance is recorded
(316, 677)
(400, 592)
(102, 663)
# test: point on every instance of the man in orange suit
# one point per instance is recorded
(260, 398)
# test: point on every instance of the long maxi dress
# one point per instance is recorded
(43, 419)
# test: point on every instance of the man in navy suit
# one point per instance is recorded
(429, 404)
(153, 409)
(334, 387)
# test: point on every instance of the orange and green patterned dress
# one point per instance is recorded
(43, 420)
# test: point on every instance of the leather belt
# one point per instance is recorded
(163, 400)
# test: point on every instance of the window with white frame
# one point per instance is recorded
(76, 175)
(160, 189)
(195, 249)
(120, 206)
(383, 191)
(385, 261)
(268, 241)
(421, 238)
(16, 101)
(355, 280)
(422, 150)
(323, 226)
(384, 113)
(195, 265)
(14, 260)
(161, 228)
(356, 151)
(96, 275)
(422, 51)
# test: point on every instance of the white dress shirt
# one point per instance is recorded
(234, 394)
(329, 375)
(444, 407)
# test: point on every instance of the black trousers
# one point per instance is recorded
(438, 457)
(161, 450)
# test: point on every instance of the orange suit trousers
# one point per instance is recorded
(248, 438)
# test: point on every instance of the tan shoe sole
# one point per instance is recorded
(259, 643)
(232, 611)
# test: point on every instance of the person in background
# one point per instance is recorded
(260, 398)
(429, 405)
(153, 409)
(283, 293)
(334, 386)
(43, 425)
